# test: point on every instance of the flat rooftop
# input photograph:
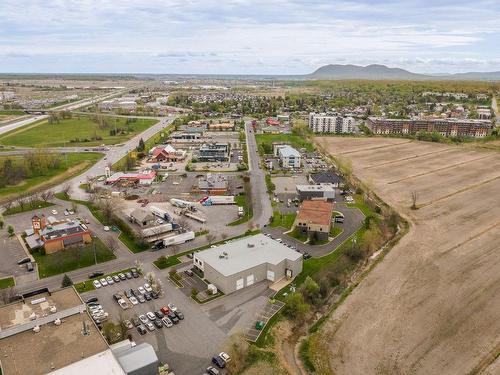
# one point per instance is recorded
(315, 188)
(246, 253)
(315, 212)
(54, 347)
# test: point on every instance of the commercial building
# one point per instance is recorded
(142, 178)
(316, 192)
(329, 123)
(166, 153)
(216, 151)
(46, 332)
(314, 219)
(223, 126)
(246, 261)
(325, 178)
(213, 183)
(142, 217)
(56, 235)
(449, 127)
(289, 157)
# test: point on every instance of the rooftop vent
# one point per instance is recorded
(36, 329)
(250, 245)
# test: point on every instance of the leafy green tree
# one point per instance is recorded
(310, 290)
(66, 281)
(141, 147)
(295, 306)
(10, 230)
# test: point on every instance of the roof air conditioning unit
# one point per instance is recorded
(57, 322)
(36, 329)
(53, 309)
(33, 316)
(250, 245)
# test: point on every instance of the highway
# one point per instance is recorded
(67, 107)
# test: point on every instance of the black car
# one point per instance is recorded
(306, 255)
(29, 267)
(135, 292)
(157, 246)
(179, 315)
(128, 293)
(173, 317)
(188, 272)
(135, 274)
(158, 323)
(339, 219)
(218, 361)
(141, 329)
(116, 297)
(154, 295)
(135, 321)
(93, 275)
(159, 314)
(128, 275)
(91, 299)
(141, 298)
(23, 261)
(147, 296)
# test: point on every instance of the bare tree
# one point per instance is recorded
(7, 295)
(66, 189)
(21, 201)
(183, 223)
(210, 238)
(47, 195)
(223, 235)
(112, 243)
(7, 205)
(414, 198)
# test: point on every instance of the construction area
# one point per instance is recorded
(431, 306)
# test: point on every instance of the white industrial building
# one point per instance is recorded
(325, 123)
(289, 157)
(247, 261)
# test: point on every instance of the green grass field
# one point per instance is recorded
(60, 134)
(76, 163)
(241, 201)
(72, 258)
(283, 220)
(264, 142)
(28, 207)
(7, 282)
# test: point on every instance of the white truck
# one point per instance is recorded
(218, 199)
(178, 238)
(162, 214)
(181, 203)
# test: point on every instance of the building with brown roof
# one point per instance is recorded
(314, 218)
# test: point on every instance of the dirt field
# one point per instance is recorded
(432, 306)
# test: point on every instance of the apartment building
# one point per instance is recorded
(449, 127)
(327, 123)
(289, 157)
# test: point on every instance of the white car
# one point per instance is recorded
(106, 228)
(97, 284)
(143, 319)
(123, 304)
(133, 300)
(225, 357)
(151, 315)
(141, 290)
(103, 282)
(150, 326)
(148, 288)
(279, 240)
(167, 322)
(53, 212)
(172, 307)
(110, 281)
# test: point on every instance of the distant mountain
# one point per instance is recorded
(380, 72)
(363, 72)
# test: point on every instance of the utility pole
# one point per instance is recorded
(95, 256)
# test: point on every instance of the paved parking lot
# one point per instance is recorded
(11, 252)
(188, 346)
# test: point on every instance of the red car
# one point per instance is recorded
(165, 310)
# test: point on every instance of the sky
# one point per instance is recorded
(247, 36)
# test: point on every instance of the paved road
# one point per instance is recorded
(115, 115)
(69, 107)
(262, 208)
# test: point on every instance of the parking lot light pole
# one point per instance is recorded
(95, 256)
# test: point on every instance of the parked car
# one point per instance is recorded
(92, 299)
(128, 324)
(23, 261)
(306, 255)
(133, 300)
(148, 288)
(151, 315)
(128, 275)
(143, 318)
(109, 279)
(121, 276)
(218, 361)
(134, 272)
(93, 275)
(168, 323)
(188, 272)
(339, 219)
(123, 304)
(29, 267)
(141, 298)
(128, 293)
(165, 310)
(212, 370)
(158, 323)
(147, 296)
(190, 255)
(141, 290)
(159, 314)
(172, 307)
(150, 326)
(179, 315)
(142, 329)
(225, 357)
(116, 279)
(103, 282)
(106, 228)
(173, 317)
(96, 284)
(53, 212)
(155, 295)
(116, 297)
